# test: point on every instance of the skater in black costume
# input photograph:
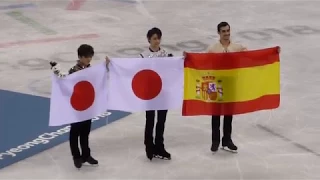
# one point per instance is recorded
(80, 130)
(223, 46)
(155, 147)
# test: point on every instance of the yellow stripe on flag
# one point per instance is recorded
(236, 85)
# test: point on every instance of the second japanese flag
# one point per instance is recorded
(140, 84)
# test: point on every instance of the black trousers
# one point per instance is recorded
(161, 120)
(227, 128)
(80, 130)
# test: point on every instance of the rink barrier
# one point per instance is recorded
(24, 129)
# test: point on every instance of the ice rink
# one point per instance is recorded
(279, 144)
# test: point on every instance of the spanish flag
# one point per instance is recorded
(231, 83)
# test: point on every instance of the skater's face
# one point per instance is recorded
(155, 40)
(85, 60)
(224, 33)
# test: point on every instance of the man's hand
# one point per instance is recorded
(56, 69)
(184, 54)
(53, 64)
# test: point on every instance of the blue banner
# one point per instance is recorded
(24, 129)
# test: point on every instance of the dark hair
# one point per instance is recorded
(85, 50)
(222, 24)
(154, 31)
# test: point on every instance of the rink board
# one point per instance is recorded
(24, 129)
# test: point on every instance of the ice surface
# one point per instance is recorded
(279, 144)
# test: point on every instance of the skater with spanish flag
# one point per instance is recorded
(229, 80)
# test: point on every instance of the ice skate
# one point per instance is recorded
(229, 146)
(150, 152)
(77, 162)
(215, 146)
(161, 153)
(91, 161)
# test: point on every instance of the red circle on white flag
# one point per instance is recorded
(83, 96)
(146, 84)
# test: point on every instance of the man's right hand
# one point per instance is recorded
(53, 64)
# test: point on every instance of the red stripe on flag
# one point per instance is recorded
(196, 107)
(226, 61)
(75, 4)
(57, 39)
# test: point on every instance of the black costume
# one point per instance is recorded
(79, 130)
(155, 148)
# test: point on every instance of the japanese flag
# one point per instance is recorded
(139, 84)
(79, 96)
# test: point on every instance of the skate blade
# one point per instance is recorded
(150, 157)
(87, 164)
(229, 150)
(214, 152)
(78, 167)
(161, 157)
